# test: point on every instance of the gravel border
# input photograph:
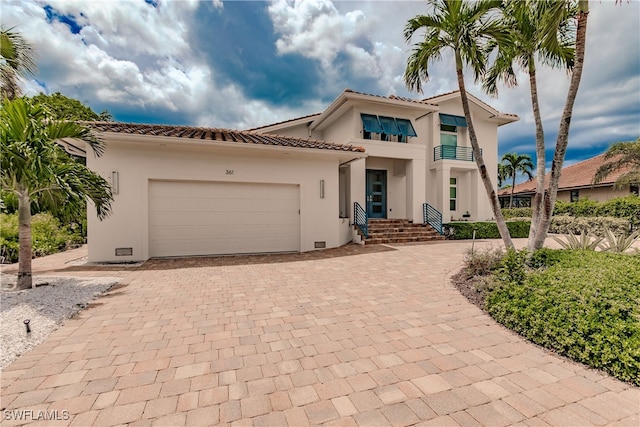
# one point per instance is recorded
(55, 299)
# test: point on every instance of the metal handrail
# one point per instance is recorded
(361, 220)
(450, 152)
(432, 216)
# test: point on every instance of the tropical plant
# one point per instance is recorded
(503, 175)
(35, 167)
(464, 27)
(541, 29)
(16, 60)
(584, 241)
(542, 220)
(515, 164)
(620, 243)
(621, 155)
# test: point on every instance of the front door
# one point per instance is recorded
(376, 193)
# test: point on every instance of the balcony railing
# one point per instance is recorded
(450, 152)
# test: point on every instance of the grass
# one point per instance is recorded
(582, 304)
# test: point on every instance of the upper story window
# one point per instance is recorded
(449, 125)
(386, 128)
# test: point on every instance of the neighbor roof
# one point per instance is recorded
(579, 175)
(214, 134)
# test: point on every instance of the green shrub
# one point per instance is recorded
(517, 213)
(544, 258)
(595, 226)
(584, 306)
(47, 236)
(622, 207)
(487, 230)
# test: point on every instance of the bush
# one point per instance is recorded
(47, 235)
(487, 230)
(584, 305)
(622, 207)
(517, 213)
(595, 226)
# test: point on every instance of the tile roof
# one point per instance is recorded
(474, 97)
(214, 134)
(392, 97)
(285, 121)
(574, 176)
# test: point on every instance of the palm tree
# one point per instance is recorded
(538, 28)
(464, 27)
(36, 168)
(621, 155)
(549, 198)
(16, 60)
(515, 164)
(503, 175)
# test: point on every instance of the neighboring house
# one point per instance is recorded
(575, 183)
(290, 186)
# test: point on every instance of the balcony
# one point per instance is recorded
(450, 152)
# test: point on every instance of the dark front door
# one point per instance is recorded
(376, 193)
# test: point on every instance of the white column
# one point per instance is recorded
(416, 188)
(357, 188)
(443, 173)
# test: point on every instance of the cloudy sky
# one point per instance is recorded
(242, 64)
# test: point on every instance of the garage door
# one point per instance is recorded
(204, 218)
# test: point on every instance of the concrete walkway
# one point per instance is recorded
(361, 336)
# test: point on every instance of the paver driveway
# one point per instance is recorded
(359, 336)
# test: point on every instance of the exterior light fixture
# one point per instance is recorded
(26, 323)
(115, 182)
(322, 188)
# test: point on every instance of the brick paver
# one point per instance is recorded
(372, 335)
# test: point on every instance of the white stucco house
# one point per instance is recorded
(290, 186)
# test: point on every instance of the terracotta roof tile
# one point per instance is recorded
(214, 134)
(393, 97)
(574, 176)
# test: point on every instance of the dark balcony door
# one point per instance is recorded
(376, 193)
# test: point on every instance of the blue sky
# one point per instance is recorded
(243, 64)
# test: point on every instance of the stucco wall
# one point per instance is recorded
(139, 162)
(599, 194)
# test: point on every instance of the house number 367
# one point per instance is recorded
(228, 172)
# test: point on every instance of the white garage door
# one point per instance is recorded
(205, 218)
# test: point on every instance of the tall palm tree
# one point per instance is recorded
(503, 175)
(465, 28)
(541, 29)
(549, 198)
(34, 167)
(515, 164)
(621, 155)
(16, 60)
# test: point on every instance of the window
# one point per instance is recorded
(386, 128)
(448, 141)
(634, 189)
(453, 194)
(575, 194)
(449, 120)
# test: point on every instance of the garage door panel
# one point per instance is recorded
(200, 218)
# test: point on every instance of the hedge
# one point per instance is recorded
(564, 224)
(627, 207)
(487, 230)
(583, 305)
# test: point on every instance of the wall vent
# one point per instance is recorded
(319, 245)
(124, 251)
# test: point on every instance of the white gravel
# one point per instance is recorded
(46, 306)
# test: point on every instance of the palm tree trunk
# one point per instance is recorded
(538, 198)
(24, 240)
(513, 187)
(477, 154)
(563, 132)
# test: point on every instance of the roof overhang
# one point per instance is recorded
(347, 98)
(494, 115)
(159, 141)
